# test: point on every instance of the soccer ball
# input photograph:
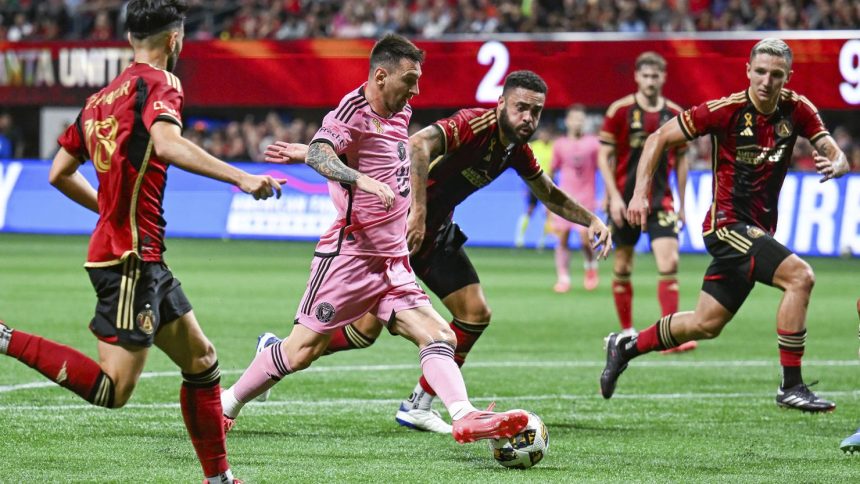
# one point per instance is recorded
(525, 449)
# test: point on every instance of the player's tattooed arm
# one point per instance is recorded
(424, 146)
(830, 161)
(559, 202)
(322, 158)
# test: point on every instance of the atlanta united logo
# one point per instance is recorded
(783, 128)
(325, 312)
(754, 232)
(145, 321)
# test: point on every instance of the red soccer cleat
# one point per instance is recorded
(228, 423)
(591, 280)
(489, 425)
(235, 481)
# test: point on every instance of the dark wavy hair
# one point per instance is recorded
(148, 17)
(526, 80)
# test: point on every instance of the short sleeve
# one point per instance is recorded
(809, 123)
(703, 119)
(72, 140)
(609, 130)
(456, 130)
(164, 102)
(337, 132)
(526, 164)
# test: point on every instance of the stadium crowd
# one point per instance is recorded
(292, 19)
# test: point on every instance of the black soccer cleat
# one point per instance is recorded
(616, 363)
(801, 398)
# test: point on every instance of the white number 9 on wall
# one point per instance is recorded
(849, 66)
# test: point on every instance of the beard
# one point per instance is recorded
(512, 134)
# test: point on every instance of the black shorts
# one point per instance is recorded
(662, 223)
(743, 255)
(134, 299)
(442, 263)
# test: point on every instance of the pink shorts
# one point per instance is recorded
(343, 288)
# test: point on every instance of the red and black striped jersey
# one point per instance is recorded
(474, 156)
(626, 127)
(751, 153)
(112, 130)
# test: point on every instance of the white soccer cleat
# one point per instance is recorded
(419, 419)
(264, 341)
(631, 332)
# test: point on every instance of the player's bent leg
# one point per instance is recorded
(562, 263)
(471, 317)
(123, 364)
(424, 326)
(670, 331)
(183, 341)
(67, 366)
(622, 289)
(357, 335)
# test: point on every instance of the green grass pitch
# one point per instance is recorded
(706, 416)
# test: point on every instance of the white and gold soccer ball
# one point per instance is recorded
(525, 449)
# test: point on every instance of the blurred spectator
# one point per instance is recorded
(11, 139)
(291, 19)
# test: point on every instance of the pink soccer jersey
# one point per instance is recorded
(377, 147)
(576, 162)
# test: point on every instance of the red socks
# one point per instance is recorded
(622, 291)
(667, 293)
(200, 399)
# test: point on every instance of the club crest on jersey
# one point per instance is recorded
(146, 320)
(754, 232)
(325, 312)
(637, 120)
(401, 150)
(377, 125)
(783, 128)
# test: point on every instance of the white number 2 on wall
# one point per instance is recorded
(496, 55)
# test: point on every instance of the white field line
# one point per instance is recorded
(352, 404)
(492, 364)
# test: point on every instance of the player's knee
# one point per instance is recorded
(446, 334)
(708, 329)
(804, 279)
(122, 394)
(204, 357)
(303, 358)
(478, 312)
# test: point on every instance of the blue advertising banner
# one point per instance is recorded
(815, 218)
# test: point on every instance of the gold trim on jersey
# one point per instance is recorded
(434, 163)
(715, 146)
(817, 136)
(736, 240)
(625, 101)
(606, 137)
(735, 98)
(482, 122)
(135, 194)
(127, 286)
(109, 263)
(173, 81)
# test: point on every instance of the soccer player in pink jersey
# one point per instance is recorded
(361, 264)
(452, 159)
(574, 158)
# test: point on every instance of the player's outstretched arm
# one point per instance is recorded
(561, 204)
(424, 146)
(833, 163)
(667, 136)
(615, 202)
(171, 147)
(65, 177)
(322, 158)
(285, 153)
